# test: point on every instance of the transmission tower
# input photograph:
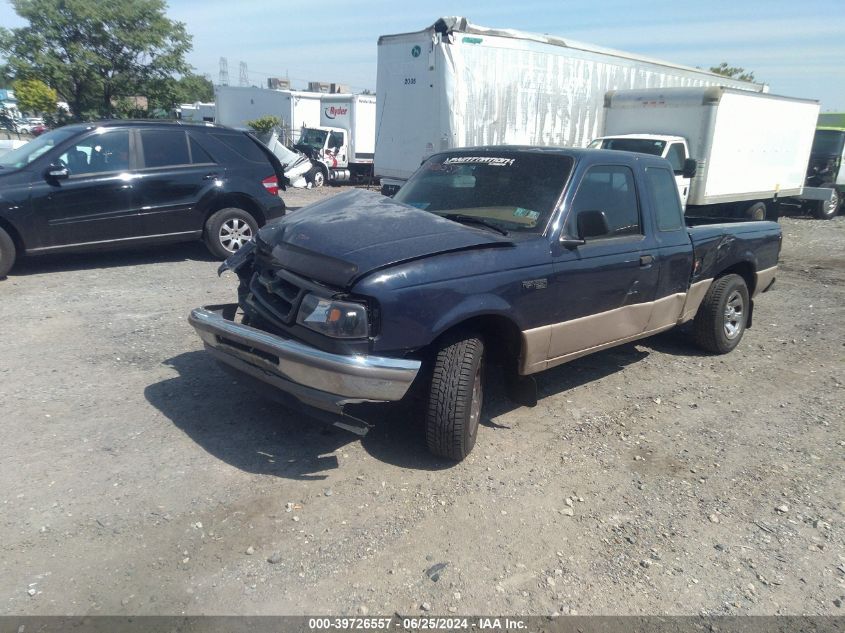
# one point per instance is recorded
(224, 71)
(243, 80)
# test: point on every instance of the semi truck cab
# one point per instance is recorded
(329, 146)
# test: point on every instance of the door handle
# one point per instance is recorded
(646, 260)
(211, 177)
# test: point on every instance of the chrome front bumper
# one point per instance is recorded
(316, 378)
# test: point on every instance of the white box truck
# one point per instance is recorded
(343, 144)
(747, 150)
(456, 84)
(296, 109)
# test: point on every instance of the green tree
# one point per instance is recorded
(734, 72)
(94, 51)
(191, 88)
(265, 124)
(35, 96)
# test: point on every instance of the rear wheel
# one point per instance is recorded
(456, 396)
(826, 210)
(756, 211)
(227, 230)
(8, 253)
(720, 322)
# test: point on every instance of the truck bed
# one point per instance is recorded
(716, 242)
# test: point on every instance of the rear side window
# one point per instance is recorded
(610, 189)
(163, 148)
(243, 146)
(664, 194)
(198, 153)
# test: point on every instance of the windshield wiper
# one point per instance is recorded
(471, 219)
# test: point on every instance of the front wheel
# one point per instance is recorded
(456, 396)
(8, 253)
(318, 177)
(826, 210)
(720, 321)
(227, 230)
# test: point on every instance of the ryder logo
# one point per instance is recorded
(333, 112)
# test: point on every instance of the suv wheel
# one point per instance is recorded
(7, 253)
(227, 230)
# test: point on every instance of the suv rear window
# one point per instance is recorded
(163, 148)
(241, 144)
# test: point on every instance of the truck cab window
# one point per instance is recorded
(676, 157)
(609, 189)
(664, 195)
(335, 140)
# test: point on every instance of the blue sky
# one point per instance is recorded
(797, 48)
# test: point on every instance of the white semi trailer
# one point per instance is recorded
(457, 84)
(735, 153)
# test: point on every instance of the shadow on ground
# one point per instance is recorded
(227, 417)
(62, 262)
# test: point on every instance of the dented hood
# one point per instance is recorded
(342, 238)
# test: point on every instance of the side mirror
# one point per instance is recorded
(690, 167)
(57, 172)
(592, 223)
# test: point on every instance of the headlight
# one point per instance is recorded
(338, 319)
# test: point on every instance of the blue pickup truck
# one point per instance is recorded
(522, 257)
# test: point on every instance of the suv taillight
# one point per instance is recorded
(271, 184)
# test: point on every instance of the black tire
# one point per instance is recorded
(720, 321)
(827, 210)
(456, 396)
(8, 253)
(756, 211)
(318, 178)
(227, 230)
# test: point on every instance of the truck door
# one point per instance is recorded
(339, 148)
(602, 290)
(676, 154)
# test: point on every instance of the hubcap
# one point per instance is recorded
(477, 400)
(235, 233)
(734, 315)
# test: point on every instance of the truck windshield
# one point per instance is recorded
(828, 142)
(313, 138)
(28, 152)
(641, 145)
(514, 191)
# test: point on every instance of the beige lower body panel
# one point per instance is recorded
(554, 344)
(764, 279)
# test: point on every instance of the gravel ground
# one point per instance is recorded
(140, 478)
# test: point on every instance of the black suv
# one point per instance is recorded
(119, 183)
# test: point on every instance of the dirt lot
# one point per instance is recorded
(138, 477)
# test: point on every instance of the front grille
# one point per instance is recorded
(273, 294)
